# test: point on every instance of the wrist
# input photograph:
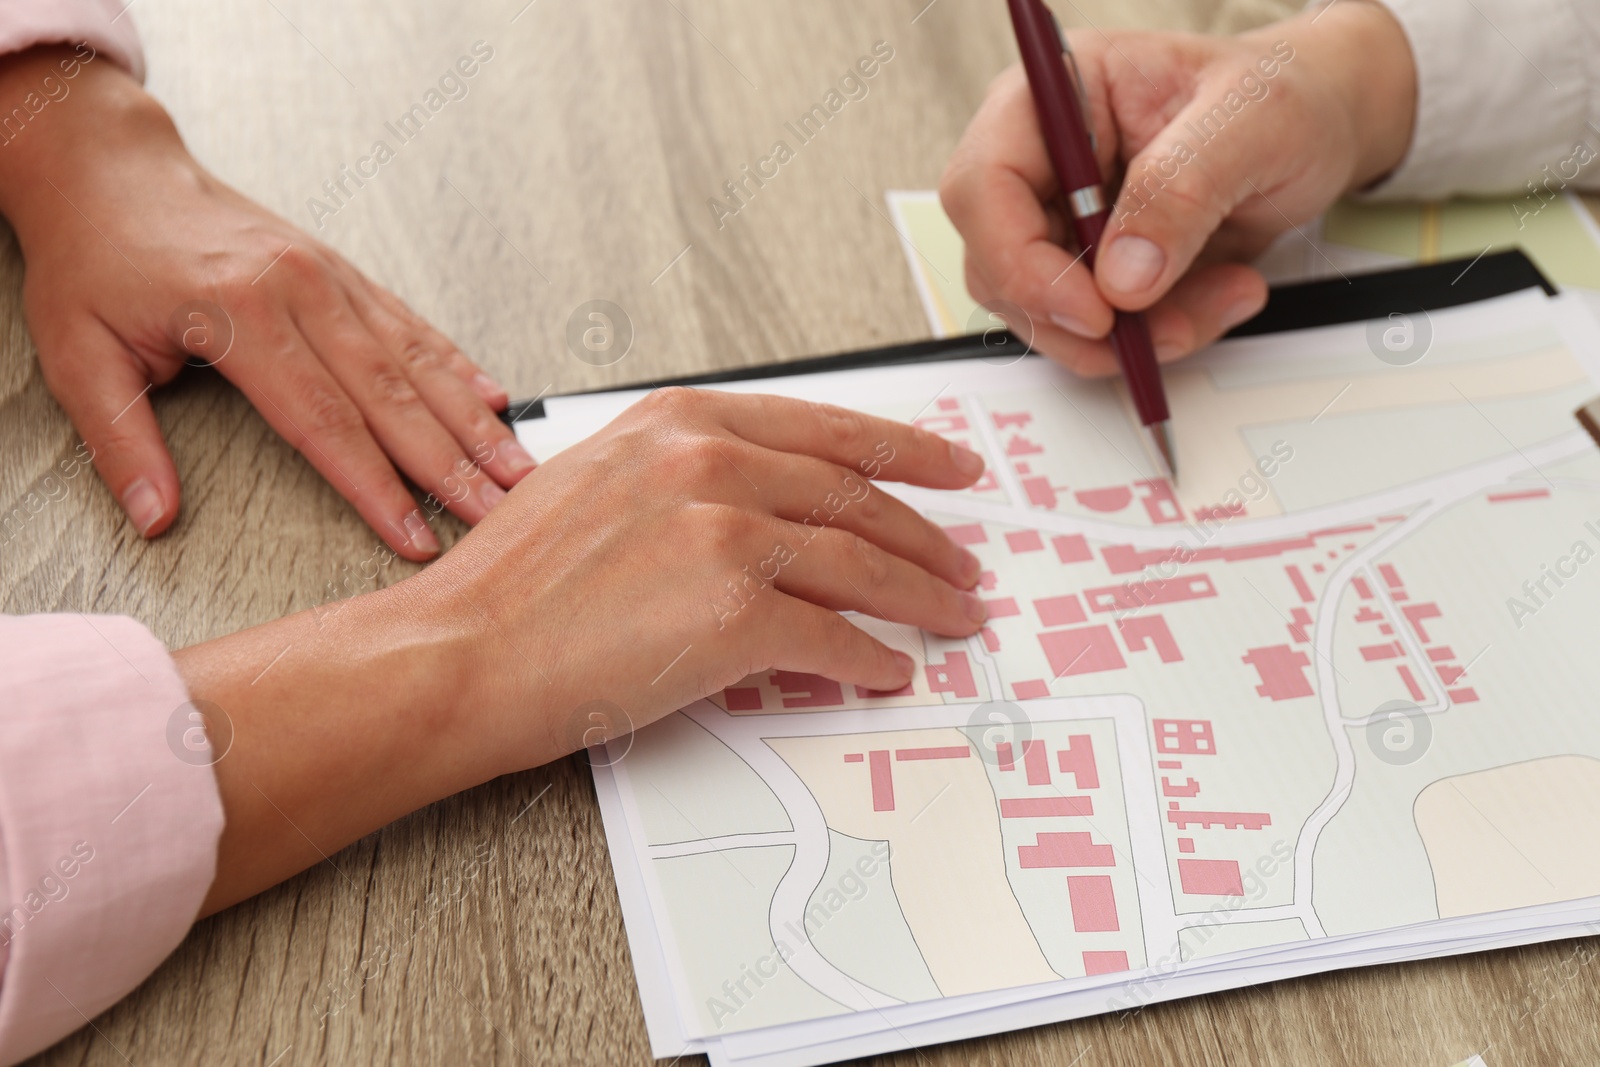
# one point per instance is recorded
(1363, 51)
(85, 119)
(497, 676)
(342, 719)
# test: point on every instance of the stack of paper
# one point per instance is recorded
(1328, 704)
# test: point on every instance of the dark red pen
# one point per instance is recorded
(1064, 123)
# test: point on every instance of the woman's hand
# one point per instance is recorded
(699, 538)
(138, 260)
(704, 536)
(1224, 143)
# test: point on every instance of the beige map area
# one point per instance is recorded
(1513, 836)
(947, 856)
(1205, 419)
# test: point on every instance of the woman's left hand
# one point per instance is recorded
(138, 260)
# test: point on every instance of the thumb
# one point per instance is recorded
(1176, 191)
(105, 392)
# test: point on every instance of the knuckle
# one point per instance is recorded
(460, 476)
(395, 303)
(327, 414)
(391, 387)
(862, 653)
(420, 357)
(114, 440)
(1195, 195)
(302, 262)
(845, 427)
(245, 303)
(695, 460)
(490, 433)
(871, 561)
(823, 632)
(1285, 94)
(872, 507)
(672, 401)
(726, 530)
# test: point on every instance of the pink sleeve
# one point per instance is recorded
(104, 24)
(109, 819)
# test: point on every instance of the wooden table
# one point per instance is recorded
(486, 928)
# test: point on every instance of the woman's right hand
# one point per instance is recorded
(699, 538)
(1226, 142)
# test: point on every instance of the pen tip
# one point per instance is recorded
(1162, 432)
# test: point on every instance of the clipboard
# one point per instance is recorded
(1296, 306)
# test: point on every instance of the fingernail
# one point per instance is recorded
(1073, 326)
(974, 608)
(490, 494)
(903, 663)
(965, 460)
(422, 539)
(143, 504)
(517, 459)
(487, 387)
(1243, 310)
(1131, 264)
(971, 567)
(1167, 351)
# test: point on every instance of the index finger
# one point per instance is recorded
(878, 448)
(995, 190)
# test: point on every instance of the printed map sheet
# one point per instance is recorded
(1327, 703)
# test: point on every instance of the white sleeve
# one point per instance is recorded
(1505, 88)
(104, 25)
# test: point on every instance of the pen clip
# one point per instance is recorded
(1077, 77)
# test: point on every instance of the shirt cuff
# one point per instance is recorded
(105, 25)
(109, 819)
(1502, 90)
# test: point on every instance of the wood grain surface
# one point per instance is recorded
(486, 929)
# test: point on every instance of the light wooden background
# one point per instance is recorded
(578, 168)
